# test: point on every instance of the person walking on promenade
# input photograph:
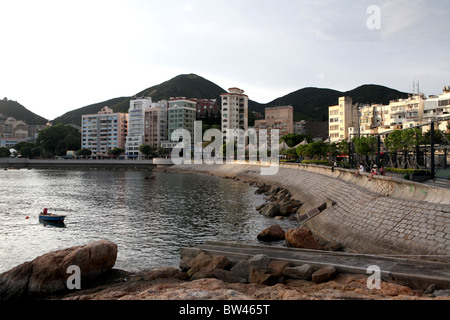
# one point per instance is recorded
(382, 171)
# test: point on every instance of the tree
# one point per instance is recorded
(318, 149)
(289, 153)
(403, 140)
(4, 152)
(149, 151)
(57, 139)
(293, 139)
(116, 152)
(84, 152)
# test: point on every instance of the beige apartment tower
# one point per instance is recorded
(341, 118)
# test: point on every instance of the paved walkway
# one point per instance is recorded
(414, 273)
(363, 219)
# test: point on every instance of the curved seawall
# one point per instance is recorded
(383, 216)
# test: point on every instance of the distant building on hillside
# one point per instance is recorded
(207, 108)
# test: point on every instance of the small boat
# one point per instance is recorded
(50, 217)
(150, 177)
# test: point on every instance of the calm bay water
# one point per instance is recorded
(149, 220)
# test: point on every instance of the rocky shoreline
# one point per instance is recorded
(206, 277)
(203, 277)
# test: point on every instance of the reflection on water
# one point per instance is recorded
(148, 219)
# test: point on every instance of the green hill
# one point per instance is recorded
(312, 103)
(19, 112)
(74, 116)
(309, 103)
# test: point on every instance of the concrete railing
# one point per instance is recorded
(386, 185)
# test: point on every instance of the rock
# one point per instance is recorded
(242, 268)
(161, 273)
(205, 262)
(259, 260)
(202, 274)
(301, 238)
(441, 293)
(48, 273)
(324, 274)
(262, 189)
(274, 189)
(333, 246)
(286, 209)
(270, 210)
(272, 233)
(303, 272)
(277, 266)
(261, 275)
(258, 208)
(185, 264)
(228, 276)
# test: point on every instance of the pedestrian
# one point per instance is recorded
(334, 166)
(361, 169)
(382, 171)
(373, 172)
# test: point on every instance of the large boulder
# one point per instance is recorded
(270, 210)
(302, 238)
(206, 264)
(242, 268)
(324, 274)
(49, 273)
(272, 233)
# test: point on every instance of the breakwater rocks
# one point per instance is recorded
(280, 204)
(48, 274)
(202, 277)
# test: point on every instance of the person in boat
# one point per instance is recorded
(45, 211)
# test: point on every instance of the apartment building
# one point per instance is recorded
(234, 110)
(399, 114)
(103, 131)
(155, 124)
(281, 118)
(136, 125)
(207, 108)
(12, 128)
(181, 115)
(438, 107)
(342, 117)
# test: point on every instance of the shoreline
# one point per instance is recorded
(363, 219)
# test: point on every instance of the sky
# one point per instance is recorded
(61, 55)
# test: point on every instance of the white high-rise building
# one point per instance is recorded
(234, 110)
(136, 126)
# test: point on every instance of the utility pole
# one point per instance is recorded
(432, 150)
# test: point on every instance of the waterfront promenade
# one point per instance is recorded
(387, 215)
(20, 163)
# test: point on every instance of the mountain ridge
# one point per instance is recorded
(310, 103)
